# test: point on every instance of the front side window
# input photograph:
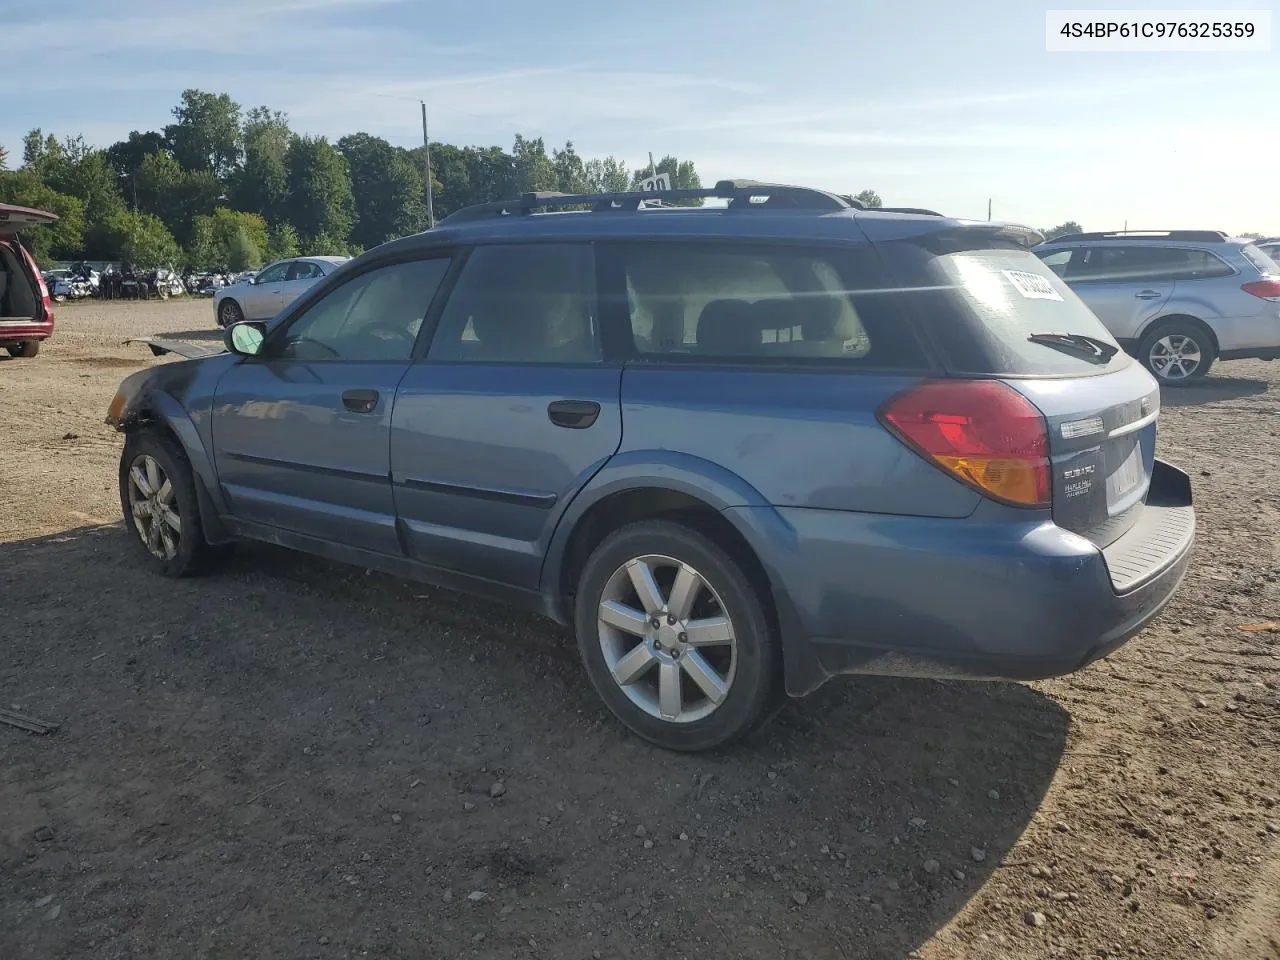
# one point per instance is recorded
(1056, 260)
(374, 316)
(274, 273)
(781, 304)
(521, 303)
(1144, 265)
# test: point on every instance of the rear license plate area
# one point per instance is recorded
(1127, 475)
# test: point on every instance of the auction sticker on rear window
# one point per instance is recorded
(1032, 285)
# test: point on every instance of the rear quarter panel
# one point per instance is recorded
(1238, 319)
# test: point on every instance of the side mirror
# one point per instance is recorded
(244, 339)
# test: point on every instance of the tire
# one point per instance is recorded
(229, 312)
(745, 672)
(58, 297)
(1180, 339)
(24, 350)
(180, 552)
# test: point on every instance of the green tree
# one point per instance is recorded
(608, 175)
(683, 177)
(207, 133)
(533, 168)
(4, 157)
(230, 238)
(869, 199)
(570, 170)
(450, 177)
(388, 191)
(61, 240)
(1062, 229)
(178, 197)
(320, 204)
(38, 150)
(137, 238)
(261, 184)
(282, 243)
(126, 156)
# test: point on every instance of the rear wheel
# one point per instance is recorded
(24, 350)
(1177, 352)
(161, 509)
(229, 312)
(674, 637)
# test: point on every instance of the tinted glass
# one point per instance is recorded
(1056, 260)
(273, 274)
(982, 305)
(305, 270)
(1262, 257)
(1144, 264)
(374, 316)
(782, 304)
(521, 304)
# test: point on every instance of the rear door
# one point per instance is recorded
(1125, 286)
(511, 411)
(301, 275)
(1100, 406)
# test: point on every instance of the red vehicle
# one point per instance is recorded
(26, 313)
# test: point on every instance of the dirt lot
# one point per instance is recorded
(295, 759)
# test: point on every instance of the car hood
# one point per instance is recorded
(15, 219)
(183, 348)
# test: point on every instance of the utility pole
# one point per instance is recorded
(988, 208)
(426, 163)
(653, 170)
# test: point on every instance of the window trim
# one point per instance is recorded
(326, 285)
(462, 256)
(616, 293)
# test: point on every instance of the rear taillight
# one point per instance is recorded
(1268, 288)
(981, 432)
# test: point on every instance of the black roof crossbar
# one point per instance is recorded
(1198, 236)
(740, 194)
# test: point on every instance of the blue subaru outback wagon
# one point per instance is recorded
(742, 448)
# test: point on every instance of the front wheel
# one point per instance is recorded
(675, 638)
(229, 312)
(160, 506)
(1177, 352)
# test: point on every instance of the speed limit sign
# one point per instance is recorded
(661, 181)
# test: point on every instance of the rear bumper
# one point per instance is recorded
(16, 331)
(926, 597)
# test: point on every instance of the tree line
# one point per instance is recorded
(238, 188)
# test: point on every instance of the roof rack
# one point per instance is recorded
(741, 194)
(1202, 236)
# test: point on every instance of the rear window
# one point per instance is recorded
(1264, 260)
(983, 305)
(775, 304)
(1139, 264)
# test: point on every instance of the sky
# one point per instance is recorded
(936, 104)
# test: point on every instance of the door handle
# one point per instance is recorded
(574, 414)
(360, 401)
(1148, 294)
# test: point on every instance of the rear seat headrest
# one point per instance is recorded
(729, 327)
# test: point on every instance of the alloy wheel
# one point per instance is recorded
(667, 639)
(1175, 357)
(153, 507)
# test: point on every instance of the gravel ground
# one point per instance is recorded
(297, 759)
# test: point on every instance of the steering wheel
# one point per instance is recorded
(394, 332)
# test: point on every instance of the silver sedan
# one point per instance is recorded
(263, 296)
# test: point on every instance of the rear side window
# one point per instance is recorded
(1144, 265)
(721, 301)
(1262, 257)
(521, 303)
(982, 306)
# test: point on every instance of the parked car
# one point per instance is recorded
(1270, 246)
(26, 312)
(740, 450)
(263, 296)
(1176, 299)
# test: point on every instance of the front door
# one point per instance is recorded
(301, 432)
(264, 297)
(509, 414)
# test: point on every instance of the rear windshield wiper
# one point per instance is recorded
(1091, 348)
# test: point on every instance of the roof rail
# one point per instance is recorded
(741, 194)
(1202, 236)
